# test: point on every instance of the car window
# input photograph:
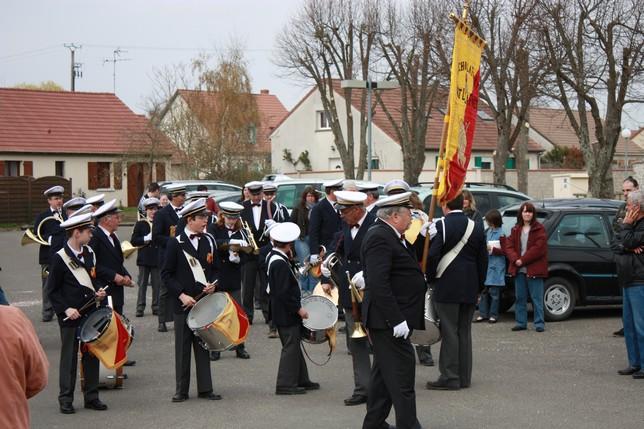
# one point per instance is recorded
(580, 230)
(483, 204)
(287, 195)
(508, 200)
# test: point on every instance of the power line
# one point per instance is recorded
(30, 52)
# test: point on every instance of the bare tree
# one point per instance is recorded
(511, 70)
(596, 52)
(327, 41)
(413, 47)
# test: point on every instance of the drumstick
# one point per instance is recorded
(202, 294)
(88, 303)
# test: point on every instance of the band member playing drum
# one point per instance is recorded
(72, 285)
(147, 258)
(287, 311)
(164, 228)
(54, 214)
(190, 272)
(231, 243)
(356, 222)
(393, 306)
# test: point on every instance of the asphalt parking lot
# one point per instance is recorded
(562, 378)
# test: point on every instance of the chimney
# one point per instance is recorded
(264, 91)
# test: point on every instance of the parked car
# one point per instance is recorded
(581, 264)
(290, 191)
(488, 196)
(275, 176)
(212, 185)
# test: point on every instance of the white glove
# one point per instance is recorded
(148, 238)
(241, 243)
(428, 226)
(401, 330)
(314, 259)
(358, 280)
(233, 257)
(326, 272)
(269, 223)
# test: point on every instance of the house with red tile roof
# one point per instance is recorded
(94, 139)
(194, 107)
(306, 129)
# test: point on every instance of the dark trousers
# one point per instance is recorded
(264, 298)
(359, 348)
(47, 309)
(152, 275)
(292, 370)
(69, 368)
(184, 339)
(249, 282)
(455, 361)
(392, 382)
(166, 304)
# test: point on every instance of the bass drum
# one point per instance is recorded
(432, 332)
(323, 315)
(219, 321)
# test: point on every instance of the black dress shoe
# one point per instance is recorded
(638, 375)
(67, 409)
(619, 333)
(628, 371)
(162, 328)
(442, 385)
(214, 355)
(179, 397)
(242, 354)
(290, 391)
(355, 400)
(519, 328)
(129, 363)
(155, 313)
(311, 385)
(210, 395)
(427, 362)
(139, 313)
(96, 404)
(47, 319)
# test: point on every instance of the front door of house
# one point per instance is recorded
(135, 184)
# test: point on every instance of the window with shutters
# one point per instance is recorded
(27, 168)
(160, 167)
(98, 175)
(12, 168)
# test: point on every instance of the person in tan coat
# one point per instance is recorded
(24, 369)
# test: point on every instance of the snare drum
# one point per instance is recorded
(219, 321)
(106, 340)
(323, 314)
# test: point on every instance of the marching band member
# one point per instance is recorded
(396, 187)
(164, 228)
(96, 201)
(284, 292)
(189, 272)
(324, 222)
(58, 237)
(281, 214)
(393, 306)
(55, 200)
(373, 193)
(356, 221)
(147, 258)
(228, 232)
(72, 284)
(255, 213)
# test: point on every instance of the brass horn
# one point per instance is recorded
(29, 237)
(356, 300)
(128, 249)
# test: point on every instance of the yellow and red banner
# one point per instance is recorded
(463, 108)
(111, 347)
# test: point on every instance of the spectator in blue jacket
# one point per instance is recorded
(495, 279)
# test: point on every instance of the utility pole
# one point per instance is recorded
(75, 67)
(116, 57)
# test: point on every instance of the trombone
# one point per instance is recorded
(29, 237)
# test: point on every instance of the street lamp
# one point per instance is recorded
(626, 135)
(369, 86)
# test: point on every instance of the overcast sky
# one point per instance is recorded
(154, 34)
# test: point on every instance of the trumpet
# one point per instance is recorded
(251, 238)
(29, 237)
(356, 300)
(128, 248)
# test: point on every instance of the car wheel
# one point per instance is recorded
(558, 299)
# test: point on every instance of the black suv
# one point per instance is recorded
(581, 265)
